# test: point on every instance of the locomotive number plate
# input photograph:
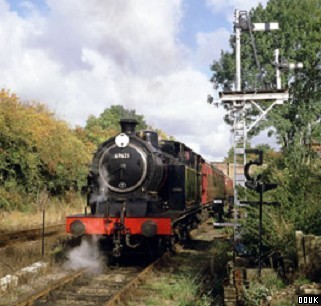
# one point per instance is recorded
(122, 155)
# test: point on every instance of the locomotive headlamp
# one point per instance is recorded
(77, 228)
(149, 228)
(122, 140)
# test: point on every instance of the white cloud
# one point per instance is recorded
(177, 103)
(4, 8)
(211, 44)
(129, 32)
(81, 57)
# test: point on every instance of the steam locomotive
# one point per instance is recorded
(143, 191)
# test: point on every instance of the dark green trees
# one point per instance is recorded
(299, 40)
(107, 124)
(296, 124)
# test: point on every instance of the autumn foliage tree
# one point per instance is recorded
(37, 151)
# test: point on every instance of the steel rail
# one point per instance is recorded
(28, 234)
(114, 299)
(30, 298)
(118, 296)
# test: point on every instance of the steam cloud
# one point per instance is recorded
(86, 255)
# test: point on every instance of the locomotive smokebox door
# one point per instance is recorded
(123, 169)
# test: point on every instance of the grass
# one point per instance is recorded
(284, 302)
(21, 255)
(257, 292)
(178, 290)
(186, 278)
(56, 211)
(15, 257)
(301, 281)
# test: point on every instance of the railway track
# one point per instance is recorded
(30, 234)
(81, 288)
(127, 285)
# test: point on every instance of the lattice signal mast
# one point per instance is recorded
(238, 99)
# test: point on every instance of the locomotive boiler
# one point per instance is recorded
(143, 191)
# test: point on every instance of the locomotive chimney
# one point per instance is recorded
(128, 126)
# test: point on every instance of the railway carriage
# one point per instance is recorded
(142, 191)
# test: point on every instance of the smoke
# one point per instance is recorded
(102, 195)
(103, 189)
(86, 255)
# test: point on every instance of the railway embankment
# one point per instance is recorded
(21, 249)
(309, 255)
(14, 237)
(280, 286)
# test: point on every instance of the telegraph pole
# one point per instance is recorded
(237, 51)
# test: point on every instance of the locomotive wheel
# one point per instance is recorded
(161, 246)
(156, 247)
(111, 260)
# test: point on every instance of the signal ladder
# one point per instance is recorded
(239, 134)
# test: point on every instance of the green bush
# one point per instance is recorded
(297, 171)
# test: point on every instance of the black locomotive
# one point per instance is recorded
(140, 189)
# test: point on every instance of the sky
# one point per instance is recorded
(79, 57)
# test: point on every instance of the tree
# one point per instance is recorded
(110, 117)
(38, 151)
(296, 123)
(107, 123)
